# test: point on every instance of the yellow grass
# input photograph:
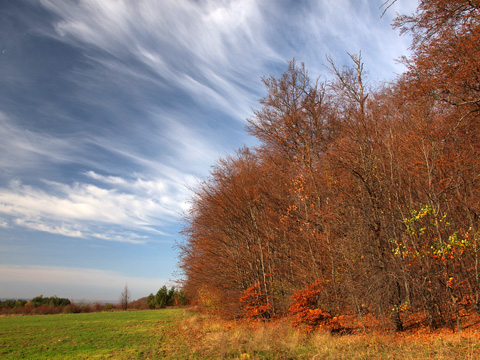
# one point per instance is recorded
(207, 336)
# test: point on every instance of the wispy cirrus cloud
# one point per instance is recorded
(131, 210)
(106, 207)
(334, 27)
(199, 48)
(211, 52)
(112, 109)
(27, 149)
(165, 192)
(40, 226)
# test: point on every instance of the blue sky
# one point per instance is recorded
(111, 109)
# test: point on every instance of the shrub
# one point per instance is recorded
(305, 307)
(67, 309)
(208, 299)
(97, 307)
(108, 307)
(257, 305)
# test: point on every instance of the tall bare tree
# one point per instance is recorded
(125, 298)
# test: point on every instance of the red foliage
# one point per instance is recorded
(257, 305)
(305, 308)
(140, 304)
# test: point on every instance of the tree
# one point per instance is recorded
(171, 296)
(372, 190)
(161, 298)
(446, 38)
(180, 298)
(151, 301)
(125, 298)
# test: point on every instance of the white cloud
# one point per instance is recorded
(212, 50)
(168, 191)
(127, 207)
(61, 230)
(25, 149)
(73, 283)
(183, 42)
(106, 179)
(124, 237)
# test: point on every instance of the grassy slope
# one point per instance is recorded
(179, 334)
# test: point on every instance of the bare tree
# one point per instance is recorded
(125, 298)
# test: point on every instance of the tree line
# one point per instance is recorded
(38, 305)
(361, 198)
(55, 305)
(36, 302)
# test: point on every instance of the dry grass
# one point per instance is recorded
(206, 336)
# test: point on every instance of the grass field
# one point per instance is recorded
(181, 334)
(115, 335)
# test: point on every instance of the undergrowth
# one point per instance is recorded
(207, 336)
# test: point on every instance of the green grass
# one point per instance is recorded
(115, 335)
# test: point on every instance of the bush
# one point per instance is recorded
(208, 300)
(67, 309)
(108, 307)
(305, 307)
(257, 305)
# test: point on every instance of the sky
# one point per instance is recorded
(111, 111)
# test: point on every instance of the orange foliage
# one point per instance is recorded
(257, 305)
(373, 190)
(208, 299)
(305, 309)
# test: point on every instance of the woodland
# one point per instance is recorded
(360, 199)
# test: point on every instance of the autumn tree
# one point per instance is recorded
(225, 246)
(446, 38)
(371, 189)
(443, 79)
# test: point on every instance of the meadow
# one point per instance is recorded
(183, 334)
(115, 335)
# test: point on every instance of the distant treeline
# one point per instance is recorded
(50, 301)
(41, 305)
(36, 302)
(12, 303)
(54, 305)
